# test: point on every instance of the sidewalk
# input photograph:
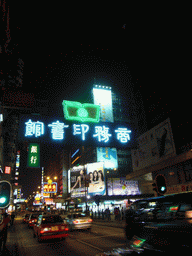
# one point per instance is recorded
(11, 247)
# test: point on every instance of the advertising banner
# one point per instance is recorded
(153, 146)
(108, 156)
(103, 98)
(77, 186)
(121, 186)
(96, 178)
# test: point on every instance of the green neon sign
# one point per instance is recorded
(33, 155)
(76, 111)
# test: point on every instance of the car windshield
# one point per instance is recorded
(79, 215)
(52, 219)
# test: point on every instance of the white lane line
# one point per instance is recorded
(80, 241)
(100, 236)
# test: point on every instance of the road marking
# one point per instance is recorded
(80, 241)
(101, 236)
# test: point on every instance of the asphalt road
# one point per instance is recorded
(101, 238)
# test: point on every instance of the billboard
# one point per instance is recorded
(77, 181)
(121, 186)
(108, 156)
(95, 171)
(155, 145)
(103, 98)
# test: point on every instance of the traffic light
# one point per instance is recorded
(161, 184)
(81, 112)
(5, 193)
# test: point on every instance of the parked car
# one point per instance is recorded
(26, 218)
(161, 224)
(50, 226)
(78, 220)
(33, 219)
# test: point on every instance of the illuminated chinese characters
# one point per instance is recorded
(34, 128)
(50, 188)
(123, 134)
(102, 133)
(34, 155)
(59, 131)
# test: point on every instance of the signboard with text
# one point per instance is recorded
(33, 155)
(44, 129)
(50, 188)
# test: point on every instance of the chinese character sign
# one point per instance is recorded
(50, 188)
(74, 133)
(33, 155)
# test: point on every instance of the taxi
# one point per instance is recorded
(50, 226)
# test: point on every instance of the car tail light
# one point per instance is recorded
(30, 221)
(44, 230)
(75, 221)
(90, 220)
(64, 228)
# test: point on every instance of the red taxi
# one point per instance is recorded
(50, 226)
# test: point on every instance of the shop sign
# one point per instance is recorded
(179, 188)
(50, 188)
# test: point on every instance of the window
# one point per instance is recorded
(52, 219)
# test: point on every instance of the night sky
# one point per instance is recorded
(66, 49)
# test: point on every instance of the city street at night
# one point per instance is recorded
(102, 237)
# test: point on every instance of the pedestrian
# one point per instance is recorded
(116, 213)
(122, 213)
(108, 214)
(102, 214)
(12, 218)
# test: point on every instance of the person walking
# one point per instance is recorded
(108, 214)
(122, 213)
(116, 212)
(12, 218)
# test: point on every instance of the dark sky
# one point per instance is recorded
(64, 47)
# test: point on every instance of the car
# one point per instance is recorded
(33, 219)
(161, 224)
(50, 226)
(78, 220)
(26, 218)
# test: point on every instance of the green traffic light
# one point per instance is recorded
(5, 194)
(2, 200)
(162, 188)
